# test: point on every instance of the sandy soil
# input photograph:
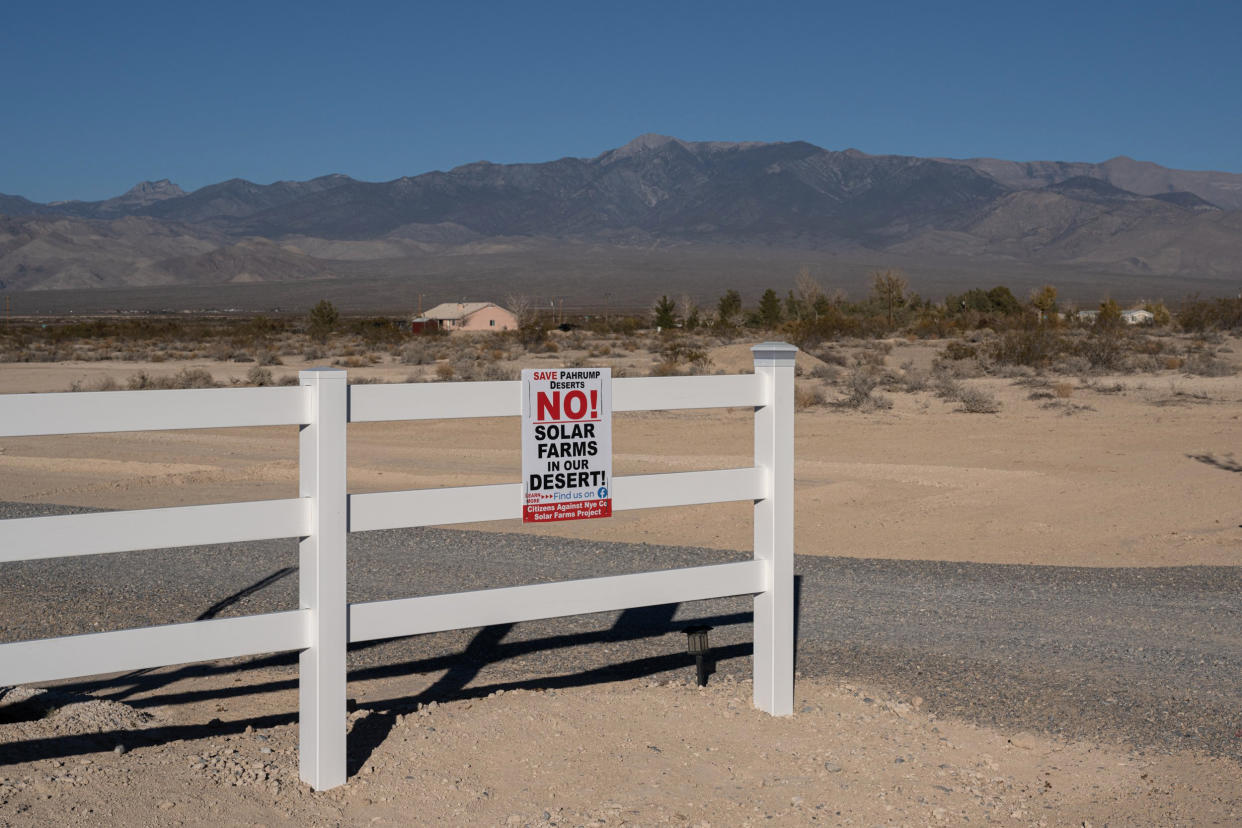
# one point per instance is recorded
(1144, 474)
(1125, 471)
(616, 754)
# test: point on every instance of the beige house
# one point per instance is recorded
(467, 316)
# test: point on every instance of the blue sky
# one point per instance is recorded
(99, 96)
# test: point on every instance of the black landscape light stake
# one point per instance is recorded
(697, 646)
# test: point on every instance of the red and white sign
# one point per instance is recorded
(566, 444)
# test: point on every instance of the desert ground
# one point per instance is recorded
(1095, 470)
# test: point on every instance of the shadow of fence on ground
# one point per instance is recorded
(1226, 463)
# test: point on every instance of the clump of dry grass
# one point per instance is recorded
(259, 376)
(100, 384)
(978, 401)
(860, 385)
(1207, 365)
(808, 396)
(185, 378)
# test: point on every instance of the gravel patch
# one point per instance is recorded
(1147, 657)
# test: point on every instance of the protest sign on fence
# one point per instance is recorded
(566, 444)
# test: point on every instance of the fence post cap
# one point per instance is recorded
(775, 354)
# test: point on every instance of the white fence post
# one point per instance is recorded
(321, 683)
(774, 453)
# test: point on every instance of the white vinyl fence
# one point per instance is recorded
(324, 513)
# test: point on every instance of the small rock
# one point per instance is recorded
(119, 750)
(832, 767)
(167, 805)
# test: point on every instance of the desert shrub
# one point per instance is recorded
(961, 369)
(106, 383)
(665, 368)
(377, 330)
(870, 358)
(1037, 346)
(322, 320)
(947, 388)
(957, 350)
(833, 357)
(1064, 390)
(913, 379)
(860, 386)
(826, 372)
(257, 375)
(1106, 348)
(417, 353)
(1211, 314)
(1207, 365)
(185, 378)
(807, 397)
(287, 379)
(1073, 364)
(978, 401)
(681, 357)
(267, 358)
(445, 371)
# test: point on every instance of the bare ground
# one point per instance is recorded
(1137, 476)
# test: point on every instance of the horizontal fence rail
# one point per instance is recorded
(26, 415)
(502, 501)
(325, 513)
(52, 659)
(509, 605)
(96, 533)
(442, 401)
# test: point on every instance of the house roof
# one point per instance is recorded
(457, 310)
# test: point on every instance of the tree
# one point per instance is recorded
(1160, 313)
(806, 299)
(1044, 300)
(690, 317)
(522, 307)
(1004, 301)
(1109, 317)
(728, 308)
(889, 288)
(323, 319)
(665, 313)
(769, 309)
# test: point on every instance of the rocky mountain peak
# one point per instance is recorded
(155, 189)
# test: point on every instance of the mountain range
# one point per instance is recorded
(1117, 219)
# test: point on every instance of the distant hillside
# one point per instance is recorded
(1121, 217)
(1142, 177)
